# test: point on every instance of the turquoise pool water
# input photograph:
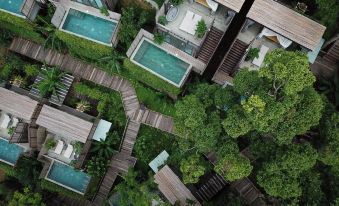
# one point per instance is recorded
(9, 152)
(161, 62)
(11, 5)
(69, 177)
(90, 26)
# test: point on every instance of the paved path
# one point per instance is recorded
(121, 161)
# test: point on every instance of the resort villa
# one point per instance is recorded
(270, 25)
(16, 112)
(183, 50)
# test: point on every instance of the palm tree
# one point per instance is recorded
(113, 62)
(51, 80)
(49, 31)
(103, 148)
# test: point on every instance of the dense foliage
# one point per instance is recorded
(27, 198)
(192, 169)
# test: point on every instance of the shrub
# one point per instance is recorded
(52, 187)
(327, 13)
(176, 2)
(162, 20)
(150, 142)
(19, 27)
(201, 28)
(158, 38)
(96, 167)
(8, 169)
(252, 54)
(138, 73)
(104, 11)
(78, 147)
(50, 143)
(31, 70)
(5, 72)
(83, 48)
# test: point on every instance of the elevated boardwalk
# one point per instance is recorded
(121, 161)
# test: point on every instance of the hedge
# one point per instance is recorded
(52, 187)
(83, 48)
(8, 169)
(19, 26)
(140, 74)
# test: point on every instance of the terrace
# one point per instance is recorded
(64, 131)
(182, 20)
(270, 25)
(86, 22)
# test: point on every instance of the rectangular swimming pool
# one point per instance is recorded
(161, 63)
(68, 177)
(89, 26)
(9, 153)
(12, 6)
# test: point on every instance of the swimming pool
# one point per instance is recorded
(91, 27)
(12, 6)
(9, 153)
(161, 63)
(68, 177)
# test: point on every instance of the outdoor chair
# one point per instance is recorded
(59, 147)
(68, 151)
(4, 120)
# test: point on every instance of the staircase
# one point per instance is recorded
(130, 137)
(210, 44)
(208, 190)
(233, 57)
(61, 92)
(333, 53)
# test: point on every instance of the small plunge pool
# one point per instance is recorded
(9, 153)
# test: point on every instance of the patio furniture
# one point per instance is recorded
(68, 151)
(15, 122)
(189, 23)
(273, 36)
(172, 13)
(59, 147)
(262, 53)
(4, 120)
(229, 16)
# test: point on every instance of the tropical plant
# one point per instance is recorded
(97, 166)
(28, 170)
(51, 80)
(177, 2)
(162, 20)
(104, 11)
(11, 130)
(31, 70)
(83, 106)
(103, 148)
(26, 198)
(49, 31)
(330, 87)
(252, 54)
(113, 62)
(158, 38)
(201, 28)
(50, 143)
(17, 81)
(78, 147)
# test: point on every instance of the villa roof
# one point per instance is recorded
(16, 104)
(64, 124)
(171, 186)
(287, 22)
(232, 4)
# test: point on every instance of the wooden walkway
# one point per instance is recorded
(89, 72)
(123, 160)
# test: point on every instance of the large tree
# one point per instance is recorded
(27, 198)
(280, 174)
(192, 168)
(277, 101)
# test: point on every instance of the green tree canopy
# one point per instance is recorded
(280, 174)
(192, 168)
(27, 198)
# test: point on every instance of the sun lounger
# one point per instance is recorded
(68, 151)
(262, 53)
(4, 121)
(59, 147)
(15, 122)
(189, 23)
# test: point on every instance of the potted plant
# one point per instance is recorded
(301, 7)
(176, 2)
(50, 143)
(104, 11)
(83, 106)
(11, 131)
(201, 28)
(158, 38)
(77, 147)
(252, 53)
(162, 20)
(51, 80)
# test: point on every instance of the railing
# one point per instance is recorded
(124, 133)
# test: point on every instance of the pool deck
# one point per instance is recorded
(197, 65)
